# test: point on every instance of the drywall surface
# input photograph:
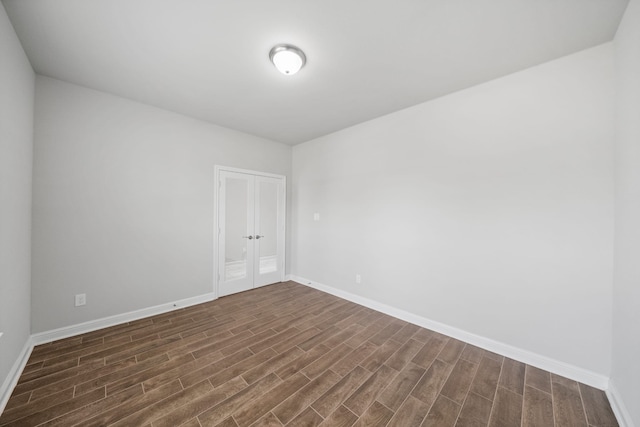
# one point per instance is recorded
(17, 82)
(124, 202)
(489, 210)
(626, 290)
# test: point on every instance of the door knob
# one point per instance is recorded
(248, 237)
(258, 237)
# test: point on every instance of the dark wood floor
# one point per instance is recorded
(288, 355)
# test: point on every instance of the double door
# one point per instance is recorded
(251, 226)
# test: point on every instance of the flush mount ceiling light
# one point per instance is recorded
(288, 59)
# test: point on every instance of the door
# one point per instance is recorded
(251, 227)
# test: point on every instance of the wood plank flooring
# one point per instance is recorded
(290, 355)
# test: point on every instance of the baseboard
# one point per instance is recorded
(14, 374)
(548, 364)
(94, 325)
(617, 404)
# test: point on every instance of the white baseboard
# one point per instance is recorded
(619, 409)
(14, 374)
(548, 364)
(94, 325)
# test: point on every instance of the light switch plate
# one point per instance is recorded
(316, 217)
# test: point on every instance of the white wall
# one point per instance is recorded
(489, 210)
(626, 291)
(124, 202)
(16, 151)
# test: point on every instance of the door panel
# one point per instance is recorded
(251, 231)
(269, 227)
(236, 219)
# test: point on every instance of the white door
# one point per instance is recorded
(251, 230)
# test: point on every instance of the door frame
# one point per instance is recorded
(216, 224)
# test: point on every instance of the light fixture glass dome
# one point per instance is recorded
(288, 59)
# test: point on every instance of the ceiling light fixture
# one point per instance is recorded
(288, 59)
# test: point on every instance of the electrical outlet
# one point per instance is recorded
(81, 299)
(316, 217)
(358, 279)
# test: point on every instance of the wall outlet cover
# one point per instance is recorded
(81, 299)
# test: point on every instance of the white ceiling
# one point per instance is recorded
(209, 58)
